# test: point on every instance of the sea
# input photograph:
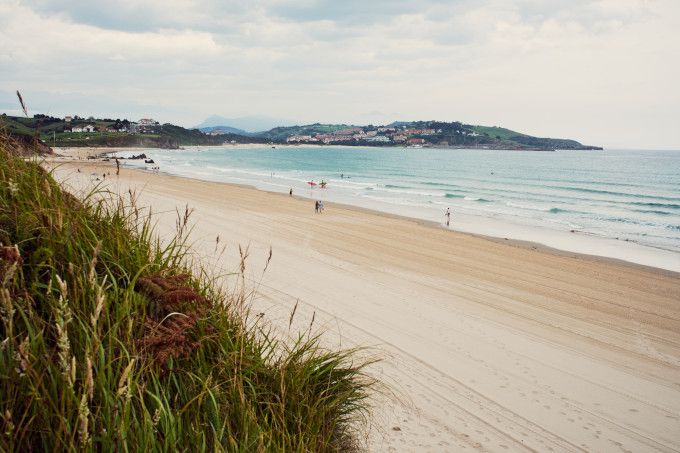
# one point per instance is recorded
(619, 203)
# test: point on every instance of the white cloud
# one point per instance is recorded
(602, 71)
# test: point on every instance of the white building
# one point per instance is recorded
(378, 139)
(300, 138)
(83, 128)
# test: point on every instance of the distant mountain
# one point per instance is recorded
(254, 123)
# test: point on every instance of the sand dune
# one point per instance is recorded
(486, 344)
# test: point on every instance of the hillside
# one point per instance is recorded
(111, 133)
(147, 133)
(418, 133)
(510, 136)
(280, 134)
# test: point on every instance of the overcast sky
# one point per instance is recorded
(604, 72)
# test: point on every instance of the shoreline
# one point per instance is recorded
(533, 237)
(486, 344)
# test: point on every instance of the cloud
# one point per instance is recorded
(550, 67)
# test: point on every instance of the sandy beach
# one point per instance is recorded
(485, 344)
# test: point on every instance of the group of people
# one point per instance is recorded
(318, 207)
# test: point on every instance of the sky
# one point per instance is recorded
(604, 72)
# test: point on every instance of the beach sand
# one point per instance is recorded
(485, 344)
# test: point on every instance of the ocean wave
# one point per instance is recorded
(407, 191)
(453, 195)
(655, 205)
(620, 194)
(481, 200)
(653, 211)
(436, 184)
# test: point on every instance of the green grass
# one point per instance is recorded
(493, 132)
(109, 343)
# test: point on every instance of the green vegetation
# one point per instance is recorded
(108, 342)
(523, 140)
(280, 134)
(447, 134)
(57, 132)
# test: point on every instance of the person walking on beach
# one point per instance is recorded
(321, 207)
(448, 216)
(316, 206)
(290, 192)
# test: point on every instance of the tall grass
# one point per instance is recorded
(108, 342)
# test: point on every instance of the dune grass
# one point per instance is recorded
(109, 342)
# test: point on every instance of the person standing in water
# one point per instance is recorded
(448, 216)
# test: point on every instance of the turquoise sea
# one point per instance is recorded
(629, 195)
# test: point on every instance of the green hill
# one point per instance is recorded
(110, 133)
(509, 136)
(425, 133)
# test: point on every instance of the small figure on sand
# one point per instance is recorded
(321, 207)
(316, 206)
(448, 216)
(290, 192)
(117, 167)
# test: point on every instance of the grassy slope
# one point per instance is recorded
(108, 343)
(526, 140)
(281, 133)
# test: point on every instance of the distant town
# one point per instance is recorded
(407, 135)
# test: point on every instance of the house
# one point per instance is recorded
(378, 139)
(68, 119)
(416, 141)
(147, 122)
(83, 128)
(299, 138)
